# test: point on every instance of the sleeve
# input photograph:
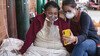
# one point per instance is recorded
(30, 37)
(85, 23)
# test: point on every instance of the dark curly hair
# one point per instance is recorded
(51, 4)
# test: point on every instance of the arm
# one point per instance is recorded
(30, 37)
(85, 23)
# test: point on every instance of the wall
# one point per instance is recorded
(11, 18)
(3, 19)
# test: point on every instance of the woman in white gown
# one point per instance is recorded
(43, 37)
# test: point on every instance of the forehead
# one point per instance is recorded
(67, 7)
(52, 9)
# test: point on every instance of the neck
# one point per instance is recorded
(77, 13)
(77, 16)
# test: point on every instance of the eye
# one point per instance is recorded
(50, 13)
(68, 10)
(56, 13)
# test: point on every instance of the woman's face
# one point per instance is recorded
(51, 13)
(69, 11)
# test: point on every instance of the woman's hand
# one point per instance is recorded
(71, 39)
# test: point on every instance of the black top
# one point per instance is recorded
(84, 29)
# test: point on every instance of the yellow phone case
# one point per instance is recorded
(66, 33)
